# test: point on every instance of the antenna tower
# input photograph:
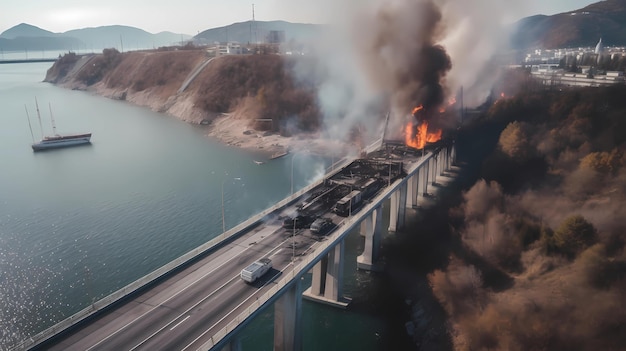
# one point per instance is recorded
(256, 41)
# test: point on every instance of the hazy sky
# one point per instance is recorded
(188, 16)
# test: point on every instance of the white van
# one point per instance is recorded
(256, 270)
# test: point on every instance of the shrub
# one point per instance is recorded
(603, 162)
(574, 235)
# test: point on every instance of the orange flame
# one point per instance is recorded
(422, 137)
(452, 101)
(418, 108)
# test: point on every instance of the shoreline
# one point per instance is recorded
(228, 128)
(232, 131)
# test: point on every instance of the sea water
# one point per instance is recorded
(77, 224)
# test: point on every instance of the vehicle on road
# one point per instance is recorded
(322, 226)
(256, 270)
(348, 203)
(298, 222)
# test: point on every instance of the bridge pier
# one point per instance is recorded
(397, 209)
(288, 319)
(233, 345)
(425, 170)
(327, 281)
(412, 189)
(444, 161)
(433, 169)
(367, 260)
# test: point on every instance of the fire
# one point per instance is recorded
(502, 95)
(416, 134)
(422, 137)
(452, 101)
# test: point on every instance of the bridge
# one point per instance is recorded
(199, 302)
(34, 60)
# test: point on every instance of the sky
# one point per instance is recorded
(190, 16)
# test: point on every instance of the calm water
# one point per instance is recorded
(77, 224)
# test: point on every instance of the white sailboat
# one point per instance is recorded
(56, 140)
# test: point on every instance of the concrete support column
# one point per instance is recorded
(288, 319)
(411, 201)
(439, 162)
(394, 203)
(444, 163)
(233, 345)
(334, 273)
(453, 155)
(416, 188)
(363, 229)
(327, 280)
(397, 208)
(410, 189)
(318, 281)
(433, 179)
(373, 238)
(425, 170)
(402, 200)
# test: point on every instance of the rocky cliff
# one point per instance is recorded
(196, 88)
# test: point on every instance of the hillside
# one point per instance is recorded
(247, 87)
(583, 27)
(250, 32)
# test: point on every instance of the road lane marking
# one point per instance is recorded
(179, 323)
(182, 314)
(195, 305)
(276, 253)
(179, 292)
(236, 307)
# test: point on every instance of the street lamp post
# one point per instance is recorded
(223, 210)
(223, 216)
(293, 158)
(293, 240)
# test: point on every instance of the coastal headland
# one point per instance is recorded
(248, 101)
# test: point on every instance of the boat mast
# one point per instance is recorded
(29, 125)
(39, 117)
(54, 127)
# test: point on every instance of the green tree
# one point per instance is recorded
(574, 235)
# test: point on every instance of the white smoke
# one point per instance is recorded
(475, 32)
(372, 56)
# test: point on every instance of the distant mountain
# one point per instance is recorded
(251, 32)
(129, 37)
(25, 30)
(28, 37)
(584, 27)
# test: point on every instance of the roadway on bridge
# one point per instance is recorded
(184, 311)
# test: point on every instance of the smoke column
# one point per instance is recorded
(386, 55)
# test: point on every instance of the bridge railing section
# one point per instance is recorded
(161, 272)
